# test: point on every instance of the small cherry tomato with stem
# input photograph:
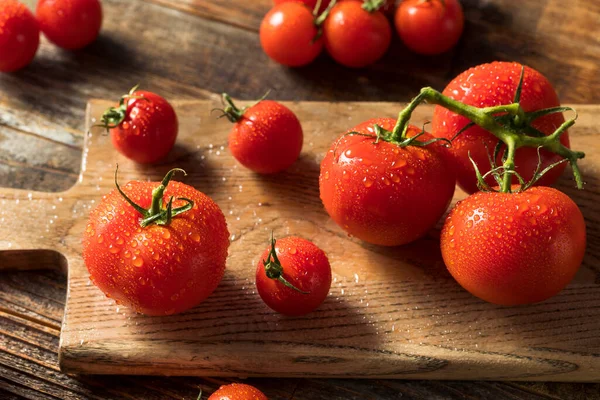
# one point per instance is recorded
(429, 26)
(143, 127)
(237, 391)
(266, 137)
(293, 276)
(19, 36)
(70, 24)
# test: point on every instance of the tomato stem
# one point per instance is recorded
(274, 269)
(231, 111)
(114, 116)
(372, 5)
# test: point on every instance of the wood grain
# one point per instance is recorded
(392, 313)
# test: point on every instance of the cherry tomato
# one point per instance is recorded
(238, 391)
(429, 26)
(289, 35)
(311, 4)
(514, 248)
(158, 267)
(19, 36)
(293, 276)
(266, 137)
(143, 127)
(355, 37)
(382, 193)
(70, 24)
(492, 85)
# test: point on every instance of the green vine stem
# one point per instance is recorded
(232, 112)
(274, 269)
(113, 117)
(373, 5)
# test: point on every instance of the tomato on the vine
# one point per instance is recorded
(293, 276)
(156, 247)
(514, 248)
(143, 126)
(355, 34)
(266, 137)
(19, 35)
(237, 391)
(384, 193)
(492, 85)
(289, 34)
(429, 26)
(70, 24)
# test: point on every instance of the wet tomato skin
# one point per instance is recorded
(70, 24)
(267, 139)
(156, 270)
(237, 391)
(306, 267)
(491, 85)
(512, 249)
(19, 36)
(382, 193)
(149, 130)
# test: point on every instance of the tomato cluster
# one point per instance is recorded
(70, 24)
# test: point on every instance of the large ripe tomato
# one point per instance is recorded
(492, 85)
(382, 193)
(237, 391)
(311, 4)
(165, 267)
(429, 26)
(293, 276)
(70, 24)
(143, 127)
(514, 248)
(266, 137)
(355, 37)
(19, 35)
(289, 35)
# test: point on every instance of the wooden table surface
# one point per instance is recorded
(192, 49)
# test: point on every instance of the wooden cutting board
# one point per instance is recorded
(391, 313)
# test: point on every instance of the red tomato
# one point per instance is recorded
(429, 26)
(311, 4)
(238, 391)
(165, 267)
(382, 193)
(492, 85)
(514, 248)
(19, 36)
(293, 276)
(266, 137)
(355, 37)
(143, 127)
(70, 24)
(288, 33)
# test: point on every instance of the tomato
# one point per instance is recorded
(382, 193)
(429, 26)
(491, 85)
(70, 24)
(293, 276)
(289, 35)
(311, 4)
(237, 391)
(19, 36)
(143, 127)
(514, 248)
(159, 268)
(266, 137)
(355, 37)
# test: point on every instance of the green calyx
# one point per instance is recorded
(231, 111)
(157, 213)
(373, 5)
(114, 116)
(274, 269)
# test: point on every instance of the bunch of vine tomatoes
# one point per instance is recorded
(357, 33)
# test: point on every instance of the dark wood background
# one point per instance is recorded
(192, 49)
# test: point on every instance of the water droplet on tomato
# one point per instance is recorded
(100, 238)
(469, 224)
(395, 178)
(113, 249)
(127, 254)
(195, 237)
(400, 162)
(367, 182)
(410, 171)
(134, 243)
(386, 181)
(292, 250)
(137, 261)
(326, 175)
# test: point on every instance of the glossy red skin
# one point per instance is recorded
(237, 391)
(70, 24)
(149, 130)
(287, 35)
(491, 85)
(382, 193)
(311, 4)
(268, 138)
(156, 270)
(306, 267)
(354, 37)
(512, 249)
(429, 27)
(19, 36)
